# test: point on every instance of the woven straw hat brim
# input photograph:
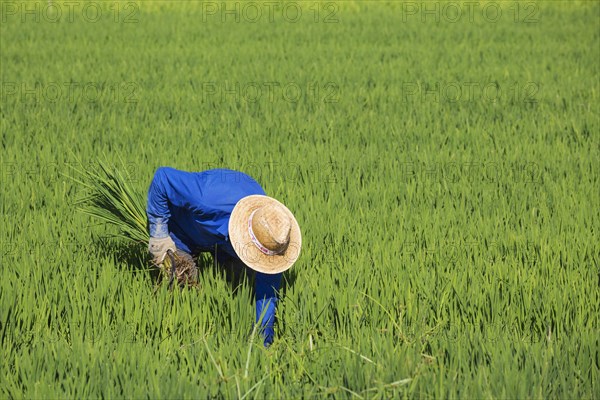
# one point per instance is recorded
(247, 250)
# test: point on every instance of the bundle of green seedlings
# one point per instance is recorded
(110, 198)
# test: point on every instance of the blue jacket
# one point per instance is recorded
(194, 209)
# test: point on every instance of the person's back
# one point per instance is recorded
(197, 205)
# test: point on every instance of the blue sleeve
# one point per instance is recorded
(266, 287)
(169, 186)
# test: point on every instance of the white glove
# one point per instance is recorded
(158, 247)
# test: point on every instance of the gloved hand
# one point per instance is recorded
(268, 335)
(158, 248)
(264, 333)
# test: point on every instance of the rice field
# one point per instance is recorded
(441, 159)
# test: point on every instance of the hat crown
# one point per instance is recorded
(271, 226)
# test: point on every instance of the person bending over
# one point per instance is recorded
(228, 214)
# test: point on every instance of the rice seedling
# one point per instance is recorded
(111, 199)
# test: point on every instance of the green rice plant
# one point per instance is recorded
(450, 247)
(110, 198)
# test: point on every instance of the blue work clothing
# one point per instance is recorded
(193, 208)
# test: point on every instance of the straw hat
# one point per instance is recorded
(264, 234)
